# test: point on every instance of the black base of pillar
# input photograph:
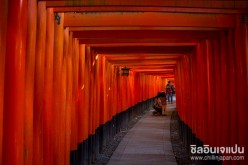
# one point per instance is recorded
(189, 138)
(89, 149)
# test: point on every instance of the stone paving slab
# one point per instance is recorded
(147, 143)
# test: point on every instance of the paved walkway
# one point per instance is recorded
(147, 143)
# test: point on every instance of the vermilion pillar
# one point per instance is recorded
(241, 78)
(68, 96)
(94, 80)
(99, 108)
(246, 54)
(232, 82)
(48, 89)
(90, 79)
(210, 93)
(86, 93)
(246, 50)
(204, 91)
(3, 29)
(81, 99)
(194, 95)
(29, 82)
(101, 82)
(104, 92)
(217, 110)
(245, 29)
(13, 127)
(58, 106)
(64, 157)
(94, 98)
(110, 89)
(68, 38)
(65, 154)
(118, 99)
(74, 108)
(224, 124)
(39, 85)
(185, 87)
(200, 91)
(75, 86)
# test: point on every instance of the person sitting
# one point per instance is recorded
(162, 97)
(157, 105)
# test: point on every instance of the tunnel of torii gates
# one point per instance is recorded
(60, 70)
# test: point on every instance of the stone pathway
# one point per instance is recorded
(147, 143)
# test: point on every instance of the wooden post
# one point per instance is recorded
(200, 91)
(194, 95)
(48, 89)
(39, 85)
(74, 117)
(210, 111)
(3, 30)
(87, 93)
(58, 105)
(14, 88)
(241, 81)
(224, 122)
(217, 109)
(68, 96)
(81, 107)
(29, 82)
(232, 90)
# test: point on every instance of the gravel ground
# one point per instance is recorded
(104, 157)
(180, 151)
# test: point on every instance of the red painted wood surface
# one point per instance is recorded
(74, 110)
(154, 8)
(3, 30)
(98, 89)
(64, 154)
(82, 135)
(102, 91)
(29, 82)
(48, 90)
(59, 106)
(38, 118)
(175, 5)
(241, 80)
(224, 124)
(232, 79)
(87, 93)
(119, 19)
(14, 85)
(73, 103)
(243, 135)
(89, 56)
(68, 101)
(217, 109)
(210, 86)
